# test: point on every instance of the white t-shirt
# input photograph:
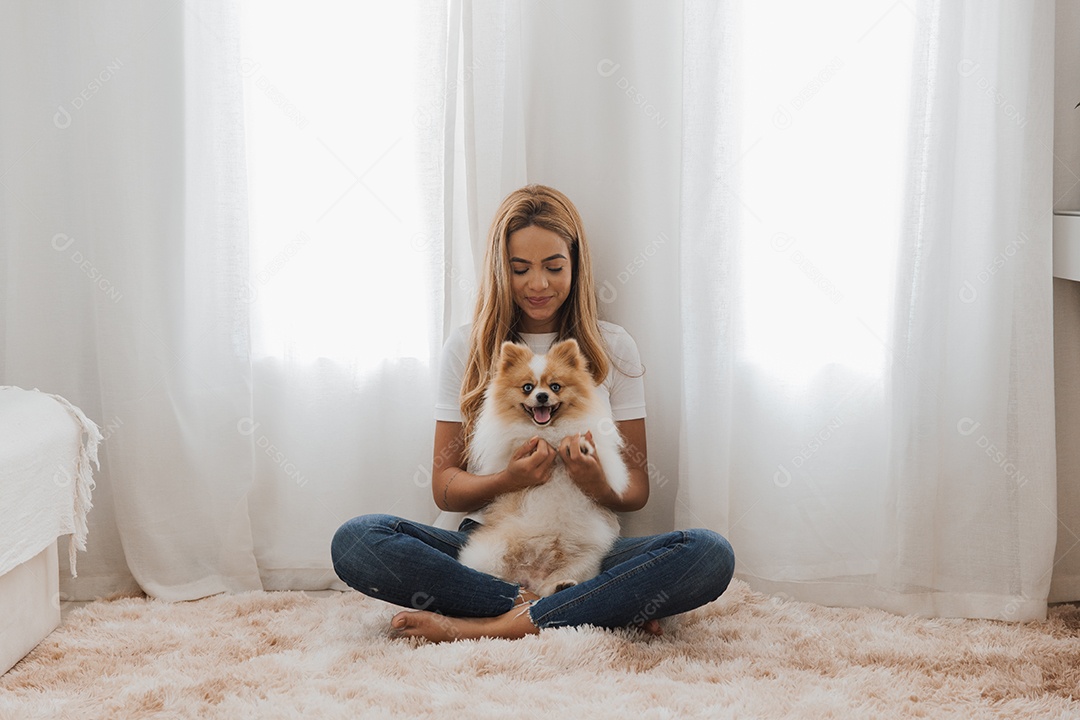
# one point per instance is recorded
(623, 389)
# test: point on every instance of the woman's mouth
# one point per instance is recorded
(538, 301)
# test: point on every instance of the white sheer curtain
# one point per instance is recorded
(585, 97)
(349, 197)
(864, 429)
(866, 301)
(123, 234)
(824, 225)
(973, 323)
(254, 394)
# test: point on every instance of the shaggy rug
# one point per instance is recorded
(291, 655)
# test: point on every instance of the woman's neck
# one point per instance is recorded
(526, 326)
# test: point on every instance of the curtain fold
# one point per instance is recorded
(601, 97)
(124, 228)
(353, 203)
(972, 464)
(903, 457)
(710, 253)
(494, 124)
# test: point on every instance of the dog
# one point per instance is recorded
(551, 536)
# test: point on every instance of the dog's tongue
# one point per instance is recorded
(541, 414)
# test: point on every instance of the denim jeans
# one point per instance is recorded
(642, 578)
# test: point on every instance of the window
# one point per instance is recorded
(339, 261)
(822, 173)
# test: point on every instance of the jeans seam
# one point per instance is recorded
(357, 541)
(614, 581)
(643, 542)
(395, 527)
(423, 529)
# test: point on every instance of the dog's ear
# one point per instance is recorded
(511, 354)
(569, 353)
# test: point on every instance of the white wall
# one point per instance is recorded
(1066, 583)
(1066, 114)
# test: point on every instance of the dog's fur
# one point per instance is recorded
(549, 536)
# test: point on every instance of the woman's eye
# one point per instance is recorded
(520, 272)
(527, 388)
(558, 269)
(555, 387)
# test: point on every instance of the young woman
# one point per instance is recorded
(537, 289)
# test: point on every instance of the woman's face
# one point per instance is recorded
(540, 275)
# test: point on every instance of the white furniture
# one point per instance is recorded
(47, 446)
(1067, 245)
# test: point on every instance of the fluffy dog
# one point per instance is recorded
(550, 536)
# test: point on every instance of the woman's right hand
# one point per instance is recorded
(531, 464)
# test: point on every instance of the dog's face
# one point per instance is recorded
(541, 388)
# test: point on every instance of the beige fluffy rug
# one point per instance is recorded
(290, 655)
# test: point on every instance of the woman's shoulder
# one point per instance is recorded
(456, 346)
(621, 349)
(614, 335)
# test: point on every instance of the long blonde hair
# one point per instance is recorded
(497, 318)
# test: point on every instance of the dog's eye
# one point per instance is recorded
(527, 388)
(555, 387)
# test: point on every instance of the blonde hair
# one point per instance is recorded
(497, 318)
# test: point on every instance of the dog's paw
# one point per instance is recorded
(551, 586)
(586, 447)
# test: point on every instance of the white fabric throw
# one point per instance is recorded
(46, 480)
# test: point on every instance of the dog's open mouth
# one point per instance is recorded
(542, 414)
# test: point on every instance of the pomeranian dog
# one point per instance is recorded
(551, 536)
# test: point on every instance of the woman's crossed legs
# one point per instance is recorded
(413, 565)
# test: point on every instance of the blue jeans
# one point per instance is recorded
(642, 578)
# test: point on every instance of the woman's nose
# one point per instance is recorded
(537, 280)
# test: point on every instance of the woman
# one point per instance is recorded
(537, 288)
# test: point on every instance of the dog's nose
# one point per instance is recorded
(542, 398)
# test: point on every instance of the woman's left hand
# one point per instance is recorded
(584, 469)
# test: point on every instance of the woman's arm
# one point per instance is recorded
(589, 475)
(635, 454)
(457, 490)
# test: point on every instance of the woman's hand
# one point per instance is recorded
(531, 464)
(456, 490)
(584, 469)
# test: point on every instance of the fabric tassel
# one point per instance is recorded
(89, 439)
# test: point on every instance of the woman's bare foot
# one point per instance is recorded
(511, 625)
(439, 628)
